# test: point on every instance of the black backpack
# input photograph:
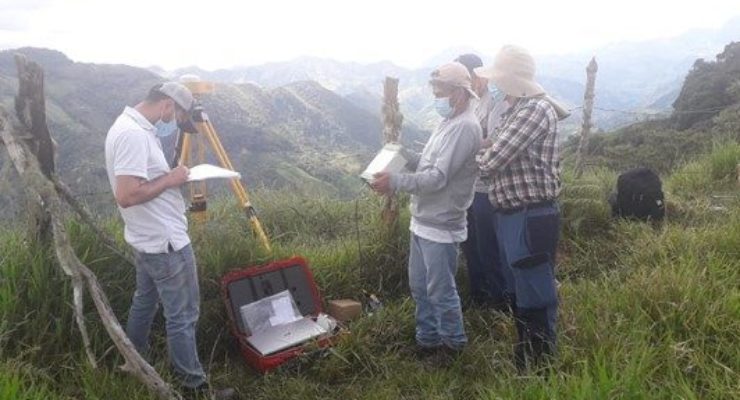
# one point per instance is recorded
(639, 196)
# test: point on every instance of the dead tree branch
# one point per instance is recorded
(86, 217)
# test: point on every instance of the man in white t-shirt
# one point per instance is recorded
(153, 211)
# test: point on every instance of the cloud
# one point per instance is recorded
(28, 5)
(14, 21)
(17, 14)
(227, 33)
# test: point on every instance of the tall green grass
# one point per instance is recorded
(710, 173)
(19, 381)
(647, 312)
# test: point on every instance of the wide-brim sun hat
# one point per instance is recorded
(512, 72)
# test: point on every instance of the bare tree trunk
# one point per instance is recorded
(392, 120)
(30, 108)
(588, 105)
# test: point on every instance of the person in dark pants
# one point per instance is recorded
(487, 277)
(525, 183)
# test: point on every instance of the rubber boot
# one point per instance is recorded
(536, 339)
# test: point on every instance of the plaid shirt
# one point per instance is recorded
(524, 161)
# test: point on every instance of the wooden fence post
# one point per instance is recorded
(392, 120)
(30, 109)
(588, 105)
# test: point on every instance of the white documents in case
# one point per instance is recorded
(388, 159)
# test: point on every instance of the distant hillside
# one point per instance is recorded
(707, 112)
(300, 135)
(710, 87)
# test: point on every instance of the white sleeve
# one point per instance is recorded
(130, 154)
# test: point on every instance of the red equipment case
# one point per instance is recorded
(250, 284)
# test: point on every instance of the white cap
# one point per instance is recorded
(179, 93)
(454, 74)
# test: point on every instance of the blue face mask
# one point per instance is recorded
(165, 129)
(496, 93)
(443, 107)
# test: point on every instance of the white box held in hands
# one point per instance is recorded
(388, 159)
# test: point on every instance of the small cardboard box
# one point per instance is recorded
(344, 309)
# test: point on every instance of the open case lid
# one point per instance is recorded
(250, 284)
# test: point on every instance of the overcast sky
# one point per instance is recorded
(220, 33)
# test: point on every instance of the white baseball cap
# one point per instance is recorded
(179, 93)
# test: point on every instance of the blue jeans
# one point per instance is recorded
(528, 240)
(490, 282)
(432, 268)
(172, 279)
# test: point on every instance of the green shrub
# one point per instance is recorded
(723, 161)
(584, 202)
(715, 171)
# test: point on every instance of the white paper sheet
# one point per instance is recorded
(284, 313)
(208, 171)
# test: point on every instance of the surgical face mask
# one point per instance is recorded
(443, 107)
(496, 93)
(165, 129)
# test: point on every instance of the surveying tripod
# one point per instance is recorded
(195, 134)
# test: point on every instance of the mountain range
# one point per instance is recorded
(634, 78)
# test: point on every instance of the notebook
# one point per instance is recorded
(281, 337)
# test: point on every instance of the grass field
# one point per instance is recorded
(646, 312)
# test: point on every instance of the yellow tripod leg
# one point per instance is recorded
(185, 152)
(197, 189)
(205, 128)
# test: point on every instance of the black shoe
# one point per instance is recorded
(487, 303)
(205, 391)
(535, 346)
(445, 357)
(424, 352)
(501, 306)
